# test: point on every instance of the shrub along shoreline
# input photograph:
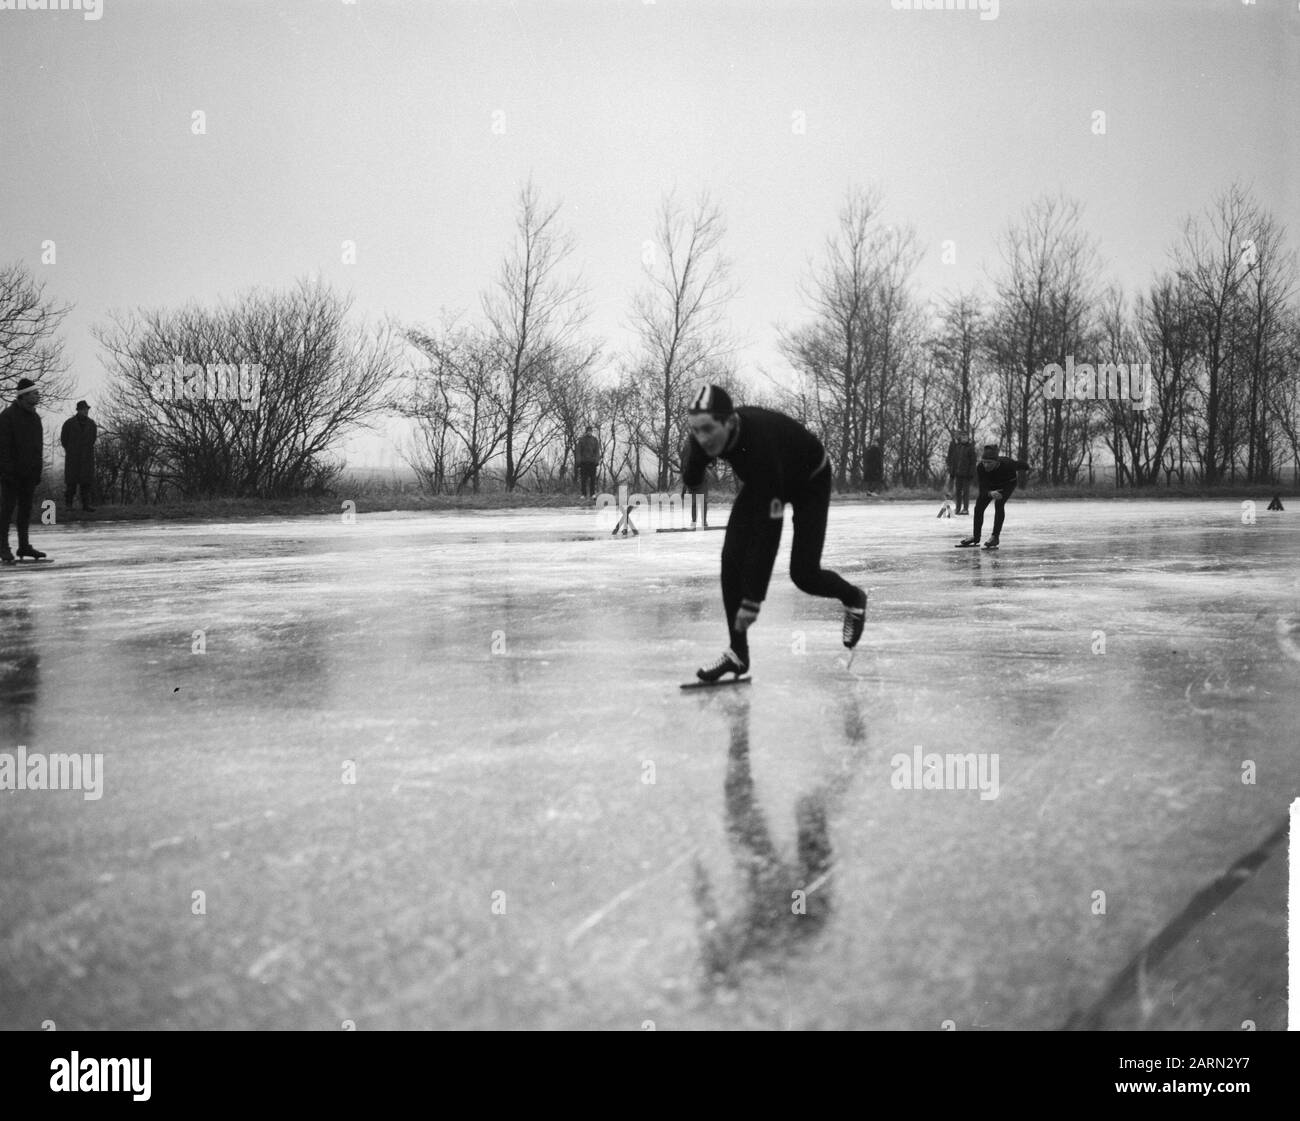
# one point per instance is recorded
(370, 500)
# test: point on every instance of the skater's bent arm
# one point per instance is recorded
(694, 461)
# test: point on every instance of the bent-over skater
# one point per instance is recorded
(996, 475)
(777, 460)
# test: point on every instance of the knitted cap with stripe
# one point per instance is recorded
(712, 399)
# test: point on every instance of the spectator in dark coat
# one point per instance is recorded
(961, 470)
(22, 441)
(587, 458)
(78, 440)
(874, 468)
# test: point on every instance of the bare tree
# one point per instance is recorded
(30, 346)
(956, 345)
(251, 398)
(679, 319)
(458, 404)
(1284, 404)
(1045, 296)
(128, 463)
(1212, 260)
(895, 328)
(571, 398)
(1268, 316)
(535, 313)
(1167, 330)
(834, 352)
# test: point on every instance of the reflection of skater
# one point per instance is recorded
(1276, 504)
(996, 475)
(778, 461)
(22, 438)
(782, 902)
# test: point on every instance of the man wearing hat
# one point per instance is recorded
(961, 466)
(22, 440)
(78, 440)
(996, 475)
(778, 461)
(587, 459)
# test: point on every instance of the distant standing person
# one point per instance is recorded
(22, 440)
(78, 440)
(587, 457)
(997, 480)
(873, 468)
(961, 468)
(701, 492)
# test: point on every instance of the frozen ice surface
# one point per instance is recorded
(503, 689)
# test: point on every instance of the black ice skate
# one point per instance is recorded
(991, 543)
(854, 618)
(968, 543)
(7, 555)
(712, 674)
(30, 553)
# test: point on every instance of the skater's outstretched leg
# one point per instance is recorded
(811, 506)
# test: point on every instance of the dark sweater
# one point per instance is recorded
(22, 440)
(773, 455)
(1004, 474)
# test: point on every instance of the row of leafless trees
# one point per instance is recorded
(512, 391)
(1219, 328)
(499, 397)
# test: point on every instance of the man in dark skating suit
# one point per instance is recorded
(997, 476)
(778, 461)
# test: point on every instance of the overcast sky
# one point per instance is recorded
(374, 122)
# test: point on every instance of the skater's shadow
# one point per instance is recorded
(781, 902)
(20, 674)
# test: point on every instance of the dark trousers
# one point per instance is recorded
(587, 479)
(70, 490)
(16, 499)
(753, 527)
(703, 495)
(999, 510)
(961, 488)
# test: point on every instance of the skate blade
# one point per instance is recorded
(715, 684)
